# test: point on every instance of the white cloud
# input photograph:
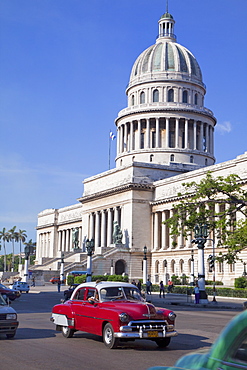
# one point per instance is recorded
(224, 127)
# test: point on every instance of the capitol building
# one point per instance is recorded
(165, 137)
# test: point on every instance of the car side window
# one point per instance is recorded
(80, 294)
(90, 293)
(241, 352)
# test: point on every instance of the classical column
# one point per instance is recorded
(148, 133)
(194, 135)
(163, 230)
(139, 134)
(171, 237)
(167, 132)
(63, 240)
(103, 228)
(67, 240)
(176, 133)
(118, 138)
(131, 135)
(157, 128)
(97, 230)
(207, 138)
(91, 227)
(156, 231)
(59, 247)
(109, 227)
(201, 137)
(186, 136)
(121, 139)
(125, 137)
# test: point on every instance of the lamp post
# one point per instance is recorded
(62, 268)
(192, 268)
(213, 269)
(112, 269)
(145, 265)
(201, 234)
(90, 250)
(27, 250)
(244, 273)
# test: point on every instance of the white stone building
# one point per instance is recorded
(165, 137)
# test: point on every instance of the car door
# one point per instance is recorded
(237, 357)
(77, 309)
(91, 309)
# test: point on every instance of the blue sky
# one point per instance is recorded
(64, 67)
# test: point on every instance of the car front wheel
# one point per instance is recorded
(10, 335)
(67, 332)
(108, 337)
(164, 342)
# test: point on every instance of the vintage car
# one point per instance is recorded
(229, 352)
(11, 294)
(68, 292)
(116, 311)
(8, 319)
(22, 286)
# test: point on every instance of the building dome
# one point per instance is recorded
(166, 59)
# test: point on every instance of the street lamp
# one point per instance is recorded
(145, 265)
(192, 268)
(244, 273)
(62, 268)
(29, 249)
(90, 250)
(201, 234)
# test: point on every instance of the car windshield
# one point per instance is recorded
(2, 301)
(120, 293)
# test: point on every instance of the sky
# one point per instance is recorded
(64, 67)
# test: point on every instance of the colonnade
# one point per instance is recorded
(44, 244)
(165, 132)
(100, 225)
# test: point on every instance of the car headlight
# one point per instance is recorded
(11, 316)
(172, 316)
(124, 317)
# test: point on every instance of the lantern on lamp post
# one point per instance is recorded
(192, 268)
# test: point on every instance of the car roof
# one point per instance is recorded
(105, 284)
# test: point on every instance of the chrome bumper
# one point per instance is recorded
(146, 330)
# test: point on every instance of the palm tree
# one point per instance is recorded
(21, 238)
(13, 238)
(5, 236)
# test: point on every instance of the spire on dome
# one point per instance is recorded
(166, 25)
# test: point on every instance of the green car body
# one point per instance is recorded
(229, 352)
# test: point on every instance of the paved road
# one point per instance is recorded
(38, 346)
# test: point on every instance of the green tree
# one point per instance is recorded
(13, 238)
(21, 238)
(5, 236)
(197, 206)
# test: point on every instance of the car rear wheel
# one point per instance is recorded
(164, 342)
(108, 337)
(67, 332)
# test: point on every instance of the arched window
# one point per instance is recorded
(156, 96)
(133, 158)
(142, 97)
(120, 267)
(206, 161)
(185, 96)
(171, 95)
(151, 157)
(157, 267)
(132, 100)
(172, 158)
(172, 266)
(191, 159)
(181, 266)
(196, 99)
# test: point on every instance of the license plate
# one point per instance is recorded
(152, 333)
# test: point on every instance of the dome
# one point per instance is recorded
(166, 59)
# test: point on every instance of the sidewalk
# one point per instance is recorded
(173, 299)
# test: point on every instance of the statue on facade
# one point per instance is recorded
(117, 235)
(75, 238)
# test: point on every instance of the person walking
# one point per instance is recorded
(162, 289)
(197, 294)
(148, 286)
(33, 281)
(58, 285)
(170, 286)
(139, 285)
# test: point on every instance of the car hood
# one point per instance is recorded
(6, 309)
(137, 310)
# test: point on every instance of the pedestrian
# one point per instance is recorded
(58, 285)
(133, 282)
(33, 281)
(148, 286)
(170, 286)
(139, 285)
(197, 294)
(162, 289)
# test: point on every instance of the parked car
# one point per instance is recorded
(55, 279)
(8, 319)
(68, 292)
(9, 293)
(116, 311)
(229, 352)
(22, 286)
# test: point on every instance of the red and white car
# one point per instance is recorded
(116, 311)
